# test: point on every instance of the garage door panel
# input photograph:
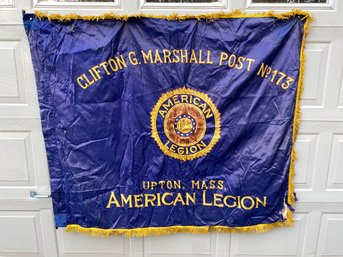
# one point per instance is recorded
(24, 233)
(16, 155)
(330, 235)
(17, 96)
(335, 176)
(80, 245)
(10, 12)
(340, 99)
(334, 73)
(323, 76)
(19, 226)
(307, 148)
(23, 159)
(185, 245)
(315, 76)
(318, 168)
(10, 51)
(11, 72)
(279, 243)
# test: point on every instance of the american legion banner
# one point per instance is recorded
(162, 124)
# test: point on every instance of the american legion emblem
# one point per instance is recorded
(185, 123)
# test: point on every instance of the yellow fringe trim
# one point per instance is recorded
(156, 231)
(297, 111)
(174, 16)
(159, 231)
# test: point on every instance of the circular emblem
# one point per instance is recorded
(185, 124)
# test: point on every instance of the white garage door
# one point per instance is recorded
(26, 223)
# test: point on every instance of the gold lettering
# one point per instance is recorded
(179, 198)
(176, 57)
(220, 184)
(239, 202)
(184, 98)
(223, 56)
(180, 150)
(104, 66)
(153, 184)
(164, 196)
(189, 198)
(138, 201)
(79, 79)
(231, 62)
(121, 61)
(184, 56)
(193, 57)
(89, 83)
(258, 200)
(176, 100)
(217, 200)
(157, 57)
(112, 200)
(168, 105)
(149, 199)
(201, 145)
(193, 149)
(226, 201)
(92, 74)
(161, 183)
(200, 57)
(173, 148)
(147, 56)
(240, 63)
(96, 70)
(195, 184)
(196, 100)
(209, 61)
(127, 200)
(204, 199)
(212, 184)
(177, 184)
(145, 185)
(113, 65)
(250, 61)
(132, 58)
(166, 56)
(158, 199)
(162, 113)
(251, 201)
(167, 144)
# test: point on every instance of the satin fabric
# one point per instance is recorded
(98, 140)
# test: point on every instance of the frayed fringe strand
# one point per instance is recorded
(159, 231)
(174, 16)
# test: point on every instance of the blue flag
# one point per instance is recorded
(156, 125)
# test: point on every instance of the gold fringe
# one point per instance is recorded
(174, 16)
(158, 231)
(297, 112)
